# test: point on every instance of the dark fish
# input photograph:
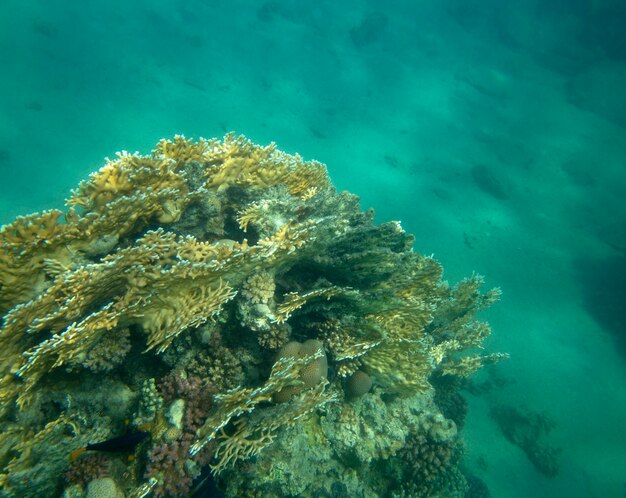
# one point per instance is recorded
(207, 487)
(127, 442)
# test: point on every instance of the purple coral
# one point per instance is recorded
(197, 393)
(171, 465)
(167, 462)
(87, 468)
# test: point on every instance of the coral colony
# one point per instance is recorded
(223, 298)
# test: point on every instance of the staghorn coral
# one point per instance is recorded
(186, 269)
(454, 327)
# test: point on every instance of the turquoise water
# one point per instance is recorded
(496, 133)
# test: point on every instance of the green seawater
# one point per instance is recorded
(495, 131)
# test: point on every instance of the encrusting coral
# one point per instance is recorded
(168, 285)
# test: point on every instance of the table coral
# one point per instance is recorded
(168, 284)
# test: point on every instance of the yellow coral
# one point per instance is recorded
(25, 245)
(123, 196)
(182, 150)
(180, 307)
(256, 432)
(124, 176)
(292, 301)
(400, 367)
(233, 403)
(250, 215)
(237, 161)
(466, 366)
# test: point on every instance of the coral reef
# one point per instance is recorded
(106, 354)
(274, 338)
(259, 288)
(220, 295)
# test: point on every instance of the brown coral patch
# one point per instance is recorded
(311, 374)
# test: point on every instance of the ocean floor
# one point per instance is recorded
(496, 135)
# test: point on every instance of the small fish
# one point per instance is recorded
(127, 442)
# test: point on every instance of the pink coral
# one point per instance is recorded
(167, 462)
(86, 468)
(197, 393)
(172, 465)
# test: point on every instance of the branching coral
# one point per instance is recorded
(252, 434)
(185, 269)
(286, 372)
(274, 338)
(168, 464)
(220, 365)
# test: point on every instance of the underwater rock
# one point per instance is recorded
(529, 431)
(176, 413)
